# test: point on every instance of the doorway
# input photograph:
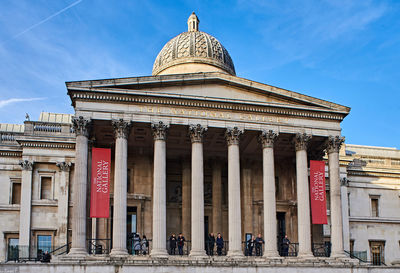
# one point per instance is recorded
(281, 228)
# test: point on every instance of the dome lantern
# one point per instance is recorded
(193, 51)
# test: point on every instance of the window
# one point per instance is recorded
(374, 206)
(15, 193)
(377, 250)
(12, 249)
(348, 203)
(276, 187)
(46, 187)
(351, 247)
(43, 244)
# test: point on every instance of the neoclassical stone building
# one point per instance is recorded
(195, 149)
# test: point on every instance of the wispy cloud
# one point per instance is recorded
(4, 103)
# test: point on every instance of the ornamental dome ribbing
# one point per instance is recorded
(191, 48)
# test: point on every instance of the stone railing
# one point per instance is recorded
(47, 128)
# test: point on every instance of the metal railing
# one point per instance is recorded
(321, 249)
(290, 251)
(34, 253)
(377, 258)
(99, 246)
(139, 246)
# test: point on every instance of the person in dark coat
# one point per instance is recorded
(211, 244)
(172, 244)
(250, 246)
(46, 257)
(259, 244)
(220, 244)
(181, 243)
(285, 246)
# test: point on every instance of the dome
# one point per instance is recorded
(193, 51)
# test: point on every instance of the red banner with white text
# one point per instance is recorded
(317, 192)
(100, 187)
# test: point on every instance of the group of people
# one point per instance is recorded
(212, 241)
(176, 242)
(256, 243)
(139, 245)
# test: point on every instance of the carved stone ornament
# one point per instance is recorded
(334, 143)
(121, 128)
(301, 141)
(26, 165)
(232, 135)
(267, 138)
(159, 130)
(344, 182)
(81, 126)
(196, 132)
(64, 166)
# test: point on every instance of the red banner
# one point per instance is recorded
(317, 192)
(100, 193)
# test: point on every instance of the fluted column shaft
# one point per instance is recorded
(25, 210)
(80, 185)
(159, 191)
(234, 211)
(267, 140)
(121, 130)
(303, 196)
(63, 202)
(186, 200)
(334, 144)
(196, 135)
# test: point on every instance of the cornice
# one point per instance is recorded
(47, 144)
(377, 220)
(372, 174)
(11, 153)
(206, 103)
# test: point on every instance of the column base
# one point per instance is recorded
(272, 254)
(236, 254)
(119, 252)
(306, 255)
(338, 255)
(77, 253)
(198, 254)
(159, 253)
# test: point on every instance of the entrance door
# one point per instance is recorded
(131, 220)
(281, 228)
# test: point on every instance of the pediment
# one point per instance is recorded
(211, 86)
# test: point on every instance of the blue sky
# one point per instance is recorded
(344, 51)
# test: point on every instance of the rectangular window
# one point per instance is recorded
(377, 250)
(352, 247)
(12, 250)
(43, 244)
(46, 187)
(375, 207)
(16, 193)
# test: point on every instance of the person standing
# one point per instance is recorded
(136, 243)
(250, 246)
(181, 243)
(285, 246)
(172, 244)
(211, 244)
(144, 245)
(259, 244)
(220, 244)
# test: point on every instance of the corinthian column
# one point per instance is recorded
(235, 233)
(196, 135)
(63, 202)
(159, 191)
(81, 127)
(267, 140)
(303, 196)
(334, 143)
(25, 210)
(121, 131)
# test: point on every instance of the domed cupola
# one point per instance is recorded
(193, 51)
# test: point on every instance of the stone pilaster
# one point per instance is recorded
(159, 191)
(25, 209)
(334, 143)
(232, 136)
(216, 197)
(81, 128)
(303, 195)
(64, 168)
(196, 133)
(121, 131)
(186, 199)
(267, 139)
(344, 183)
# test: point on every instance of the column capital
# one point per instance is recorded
(121, 128)
(64, 166)
(267, 138)
(334, 143)
(26, 165)
(301, 141)
(232, 135)
(344, 182)
(196, 132)
(160, 130)
(81, 126)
